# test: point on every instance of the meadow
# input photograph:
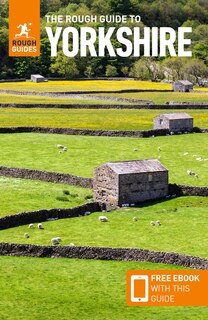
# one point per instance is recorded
(183, 228)
(47, 289)
(39, 151)
(84, 85)
(36, 195)
(162, 97)
(96, 86)
(105, 119)
(35, 99)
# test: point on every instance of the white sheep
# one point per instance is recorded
(60, 152)
(158, 222)
(159, 149)
(30, 226)
(135, 149)
(65, 148)
(26, 235)
(103, 219)
(59, 146)
(55, 241)
(72, 244)
(40, 226)
(185, 153)
(135, 219)
(152, 223)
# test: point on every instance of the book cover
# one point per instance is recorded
(104, 162)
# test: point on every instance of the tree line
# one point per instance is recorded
(154, 13)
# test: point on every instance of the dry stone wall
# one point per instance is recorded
(24, 218)
(101, 253)
(168, 105)
(46, 176)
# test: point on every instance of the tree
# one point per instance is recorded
(111, 71)
(120, 6)
(89, 71)
(64, 66)
(147, 69)
(125, 71)
(200, 52)
(53, 5)
(196, 69)
(175, 66)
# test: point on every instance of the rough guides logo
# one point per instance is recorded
(24, 28)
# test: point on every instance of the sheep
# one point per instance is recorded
(159, 149)
(30, 226)
(152, 223)
(103, 219)
(55, 241)
(185, 153)
(65, 148)
(40, 226)
(135, 149)
(158, 223)
(26, 235)
(135, 219)
(72, 244)
(59, 146)
(60, 152)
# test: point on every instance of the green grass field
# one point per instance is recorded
(39, 151)
(84, 85)
(163, 97)
(183, 228)
(36, 195)
(32, 99)
(50, 289)
(99, 85)
(105, 119)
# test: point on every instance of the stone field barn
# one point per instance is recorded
(182, 86)
(38, 78)
(130, 182)
(175, 122)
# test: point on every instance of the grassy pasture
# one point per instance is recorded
(32, 99)
(105, 119)
(20, 195)
(183, 228)
(84, 85)
(163, 97)
(47, 289)
(39, 151)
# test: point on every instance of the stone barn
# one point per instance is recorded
(182, 86)
(38, 78)
(130, 182)
(174, 122)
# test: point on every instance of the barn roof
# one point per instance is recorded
(37, 76)
(184, 82)
(136, 166)
(176, 115)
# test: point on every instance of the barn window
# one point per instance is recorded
(150, 177)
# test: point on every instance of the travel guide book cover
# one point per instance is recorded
(104, 162)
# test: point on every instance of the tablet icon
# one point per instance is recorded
(139, 288)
